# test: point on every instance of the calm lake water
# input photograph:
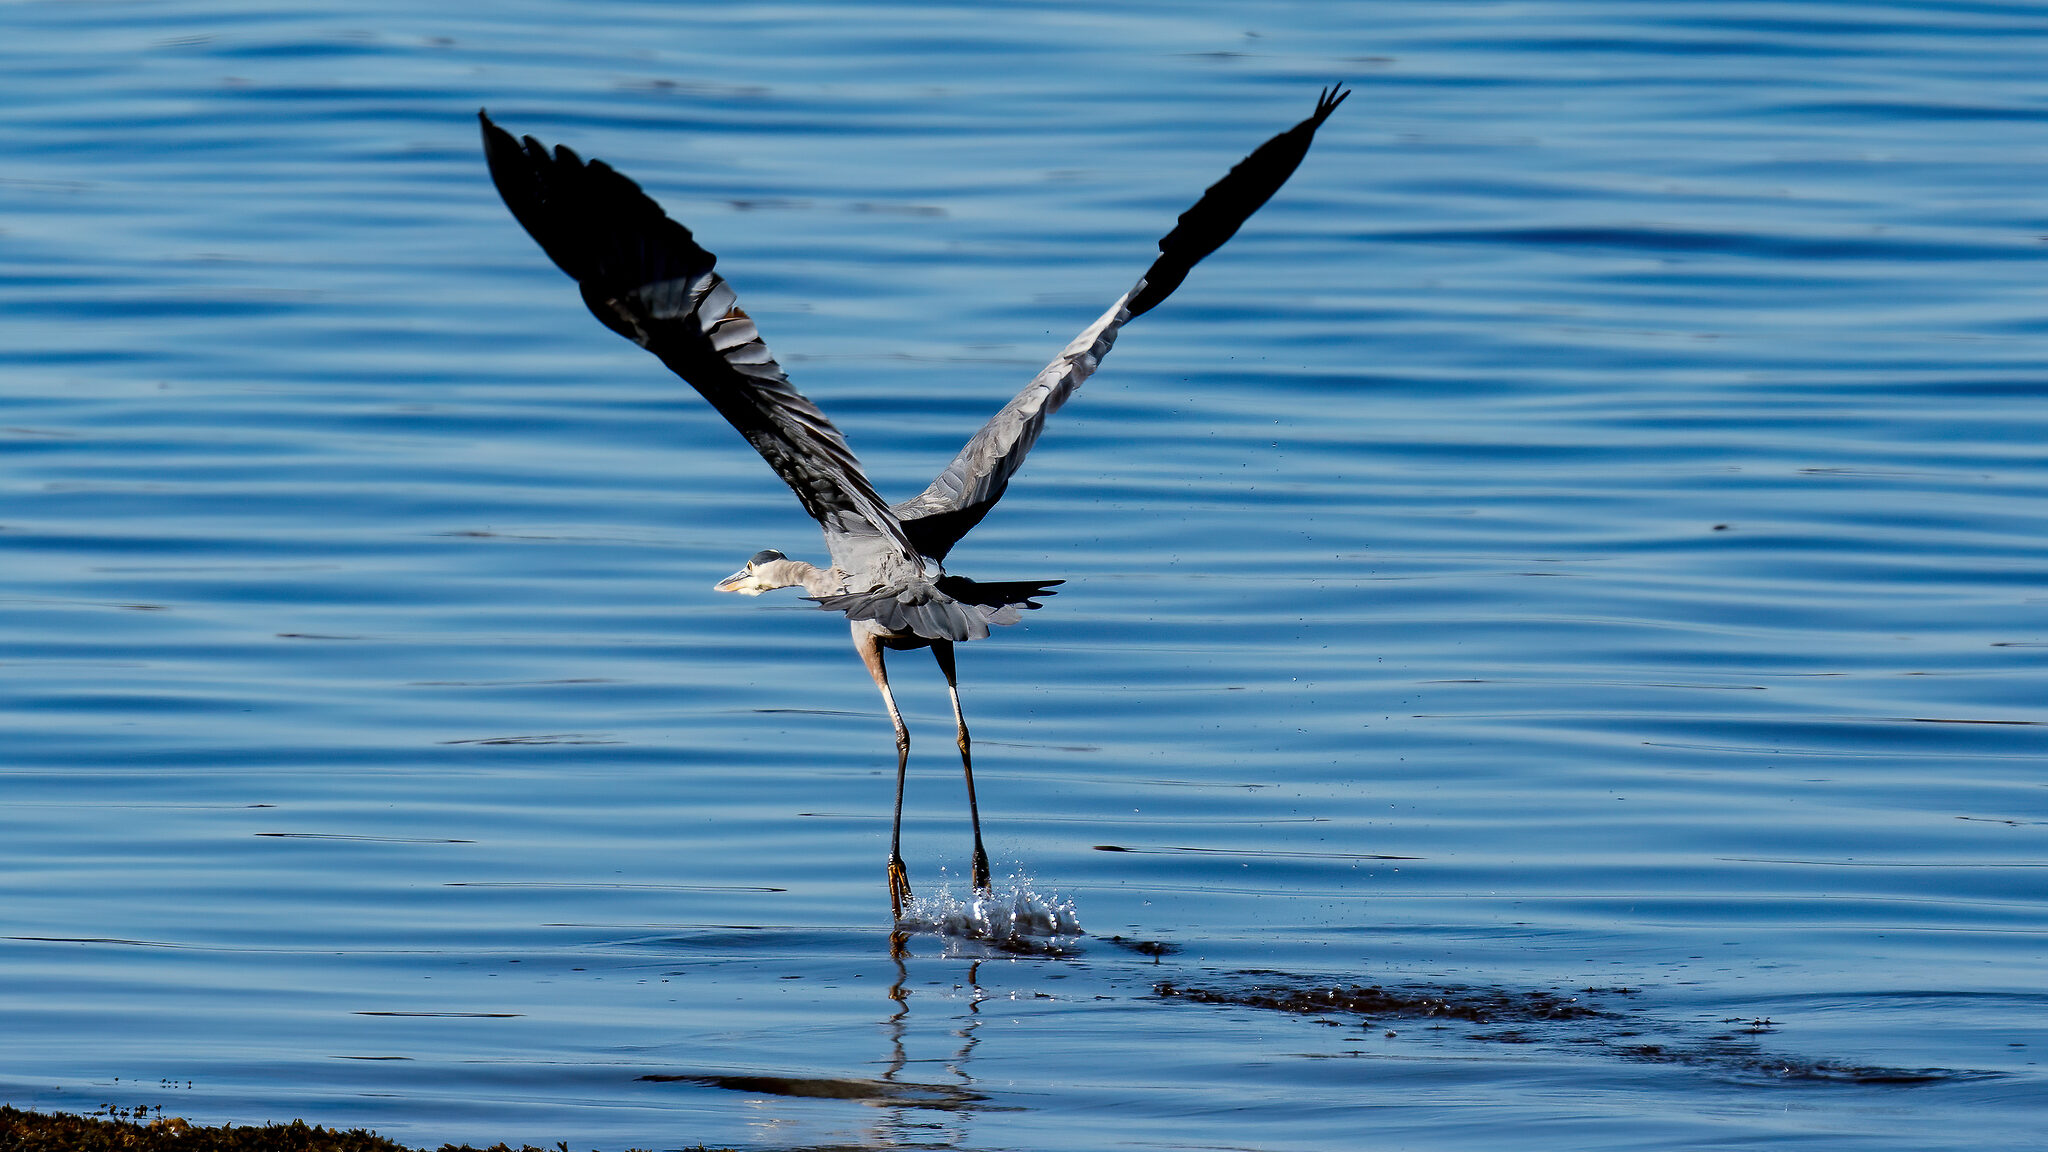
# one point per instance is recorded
(1584, 543)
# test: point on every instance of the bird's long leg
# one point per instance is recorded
(870, 649)
(943, 651)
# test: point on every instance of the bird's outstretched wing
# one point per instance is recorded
(956, 501)
(649, 280)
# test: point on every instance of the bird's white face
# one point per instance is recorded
(748, 580)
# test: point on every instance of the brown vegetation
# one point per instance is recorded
(116, 1130)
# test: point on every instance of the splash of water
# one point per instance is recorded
(1013, 916)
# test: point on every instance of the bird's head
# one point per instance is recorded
(765, 572)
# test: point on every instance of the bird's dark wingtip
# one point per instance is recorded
(496, 139)
(1327, 102)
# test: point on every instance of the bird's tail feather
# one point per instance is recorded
(949, 608)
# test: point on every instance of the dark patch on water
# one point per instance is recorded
(1476, 1005)
(1152, 948)
(608, 887)
(946, 1097)
(1173, 849)
(368, 839)
(449, 1015)
(509, 683)
(1544, 1016)
(1729, 1060)
(98, 940)
(552, 738)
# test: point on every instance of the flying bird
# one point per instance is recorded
(645, 277)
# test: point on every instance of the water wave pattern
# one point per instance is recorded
(1589, 531)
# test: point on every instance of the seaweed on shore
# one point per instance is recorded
(120, 1130)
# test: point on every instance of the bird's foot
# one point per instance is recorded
(899, 886)
(981, 883)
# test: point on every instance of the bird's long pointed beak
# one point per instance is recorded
(742, 581)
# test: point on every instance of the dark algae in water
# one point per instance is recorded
(1510, 1016)
(1474, 1005)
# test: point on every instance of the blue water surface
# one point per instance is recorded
(1587, 537)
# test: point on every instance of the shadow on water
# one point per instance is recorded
(889, 1093)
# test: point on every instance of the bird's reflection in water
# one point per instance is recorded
(922, 1089)
(925, 1124)
(924, 1093)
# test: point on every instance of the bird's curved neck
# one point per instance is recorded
(812, 579)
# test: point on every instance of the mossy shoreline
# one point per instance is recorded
(137, 1131)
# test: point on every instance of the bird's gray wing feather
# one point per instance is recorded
(961, 495)
(649, 280)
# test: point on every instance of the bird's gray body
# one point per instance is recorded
(645, 277)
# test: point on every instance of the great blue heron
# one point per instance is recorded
(647, 279)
